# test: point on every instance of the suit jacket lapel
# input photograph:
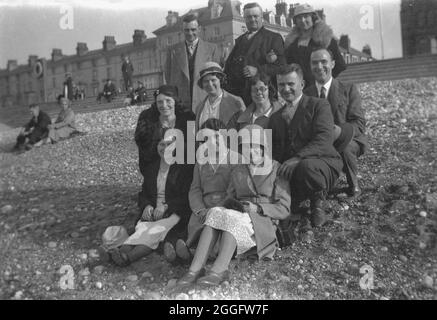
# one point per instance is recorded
(312, 91)
(333, 96)
(226, 109)
(181, 55)
(198, 60)
(299, 115)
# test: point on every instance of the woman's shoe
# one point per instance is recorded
(191, 277)
(214, 278)
(169, 252)
(182, 250)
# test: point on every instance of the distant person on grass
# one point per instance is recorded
(33, 133)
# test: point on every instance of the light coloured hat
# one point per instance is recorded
(209, 67)
(113, 237)
(302, 9)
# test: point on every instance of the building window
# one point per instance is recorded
(108, 72)
(94, 62)
(65, 68)
(271, 18)
(283, 21)
(54, 82)
(169, 41)
(141, 67)
(94, 74)
(217, 31)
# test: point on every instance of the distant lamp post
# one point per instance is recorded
(380, 30)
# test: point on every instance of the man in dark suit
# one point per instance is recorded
(127, 69)
(140, 94)
(109, 91)
(258, 50)
(302, 139)
(184, 61)
(348, 114)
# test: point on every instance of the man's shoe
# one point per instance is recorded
(191, 277)
(214, 278)
(318, 217)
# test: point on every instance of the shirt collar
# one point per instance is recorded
(193, 44)
(327, 86)
(297, 100)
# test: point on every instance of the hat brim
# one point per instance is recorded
(199, 82)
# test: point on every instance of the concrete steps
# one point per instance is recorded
(392, 69)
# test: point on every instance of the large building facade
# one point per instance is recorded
(41, 79)
(419, 27)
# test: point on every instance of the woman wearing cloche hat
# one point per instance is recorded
(219, 103)
(310, 32)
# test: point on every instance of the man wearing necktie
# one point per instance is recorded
(257, 51)
(350, 124)
(302, 141)
(185, 59)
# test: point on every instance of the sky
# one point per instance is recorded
(35, 27)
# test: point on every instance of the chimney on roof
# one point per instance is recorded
(109, 43)
(56, 54)
(81, 48)
(139, 37)
(12, 64)
(367, 50)
(172, 18)
(345, 42)
(281, 8)
(32, 60)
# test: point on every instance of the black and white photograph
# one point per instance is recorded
(272, 150)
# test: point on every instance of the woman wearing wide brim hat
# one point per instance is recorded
(310, 32)
(218, 103)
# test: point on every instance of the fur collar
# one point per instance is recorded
(322, 35)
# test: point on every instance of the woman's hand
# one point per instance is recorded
(147, 213)
(202, 215)
(159, 211)
(250, 207)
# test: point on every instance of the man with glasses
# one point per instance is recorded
(258, 50)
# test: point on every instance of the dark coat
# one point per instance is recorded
(262, 43)
(109, 89)
(272, 193)
(176, 192)
(322, 36)
(345, 101)
(149, 132)
(127, 69)
(40, 127)
(311, 133)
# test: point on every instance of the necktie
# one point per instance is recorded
(323, 93)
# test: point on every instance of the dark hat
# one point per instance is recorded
(168, 90)
(209, 67)
(346, 136)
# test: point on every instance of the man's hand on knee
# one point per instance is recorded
(286, 169)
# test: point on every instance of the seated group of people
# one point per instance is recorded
(221, 209)
(40, 129)
(137, 96)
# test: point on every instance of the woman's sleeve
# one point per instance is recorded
(279, 209)
(340, 64)
(196, 193)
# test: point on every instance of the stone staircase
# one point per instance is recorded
(391, 69)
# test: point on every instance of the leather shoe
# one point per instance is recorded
(213, 278)
(318, 217)
(190, 277)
